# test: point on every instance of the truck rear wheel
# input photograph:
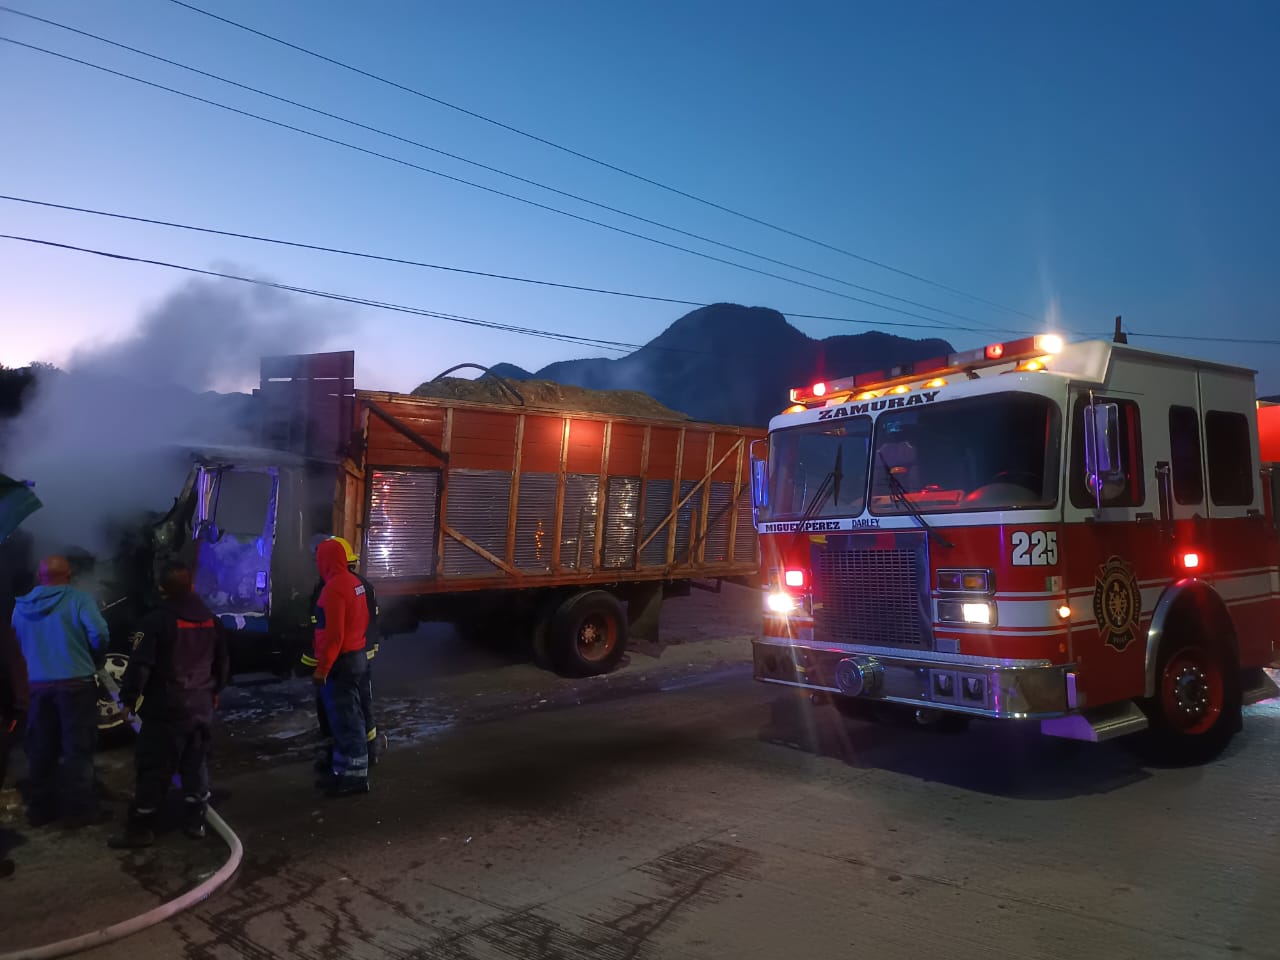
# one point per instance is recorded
(1196, 707)
(587, 635)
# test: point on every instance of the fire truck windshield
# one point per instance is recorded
(801, 458)
(998, 452)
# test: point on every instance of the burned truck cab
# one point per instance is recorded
(247, 522)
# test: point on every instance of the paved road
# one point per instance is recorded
(702, 815)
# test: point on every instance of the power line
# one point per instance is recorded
(327, 295)
(403, 261)
(602, 163)
(496, 170)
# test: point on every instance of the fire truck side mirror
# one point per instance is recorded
(1103, 460)
(759, 476)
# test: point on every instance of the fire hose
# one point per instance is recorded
(164, 911)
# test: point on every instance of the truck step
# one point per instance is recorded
(1098, 724)
(1256, 685)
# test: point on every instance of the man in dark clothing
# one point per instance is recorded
(178, 666)
(63, 636)
(377, 743)
(14, 695)
(342, 617)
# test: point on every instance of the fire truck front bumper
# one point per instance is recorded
(1007, 689)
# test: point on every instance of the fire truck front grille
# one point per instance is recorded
(871, 596)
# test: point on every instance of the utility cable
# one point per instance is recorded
(487, 167)
(597, 161)
(460, 180)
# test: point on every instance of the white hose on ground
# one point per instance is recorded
(123, 929)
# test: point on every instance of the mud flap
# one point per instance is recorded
(644, 611)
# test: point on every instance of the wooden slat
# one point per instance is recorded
(442, 502)
(676, 500)
(513, 504)
(701, 535)
(559, 532)
(602, 495)
(733, 513)
(644, 491)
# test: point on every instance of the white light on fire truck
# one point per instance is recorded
(976, 612)
(1048, 343)
(780, 602)
(1064, 612)
(819, 389)
(793, 578)
(1190, 561)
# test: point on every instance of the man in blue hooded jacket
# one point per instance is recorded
(62, 635)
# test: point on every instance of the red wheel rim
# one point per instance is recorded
(597, 636)
(1191, 690)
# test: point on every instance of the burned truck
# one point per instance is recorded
(564, 529)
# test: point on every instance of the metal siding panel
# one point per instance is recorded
(535, 522)
(621, 516)
(721, 513)
(657, 504)
(479, 501)
(578, 533)
(686, 522)
(744, 545)
(400, 531)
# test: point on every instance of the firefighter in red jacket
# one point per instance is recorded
(342, 620)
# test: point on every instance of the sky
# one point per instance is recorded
(1069, 161)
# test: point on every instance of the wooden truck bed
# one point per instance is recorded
(451, 495)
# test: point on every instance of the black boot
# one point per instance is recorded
(193, 818)
(347, 787)
(139, 832)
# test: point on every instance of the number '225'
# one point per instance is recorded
(1039, 548)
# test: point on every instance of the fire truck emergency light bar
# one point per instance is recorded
(1029, 349)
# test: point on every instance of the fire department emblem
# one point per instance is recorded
(1117, 603)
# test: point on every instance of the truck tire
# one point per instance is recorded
(587, 635)
(1196, 709)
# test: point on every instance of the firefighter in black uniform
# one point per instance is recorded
(177, 668)
(377, 741)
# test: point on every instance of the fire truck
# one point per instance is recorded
(1080, 534)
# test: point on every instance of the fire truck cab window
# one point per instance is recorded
(1133, 493)
(244, 498)
(998, 452)
(801, 459)
(1184, 455)
(1229, 447)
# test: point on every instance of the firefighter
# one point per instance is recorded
(178, 667)
(342, 622)
(377, 743)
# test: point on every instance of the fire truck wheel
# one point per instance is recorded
(1197, 704)
(587, 635)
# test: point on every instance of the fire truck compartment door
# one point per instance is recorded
(1233, 486)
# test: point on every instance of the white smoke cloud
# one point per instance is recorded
(100, 440)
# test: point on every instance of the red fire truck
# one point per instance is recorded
(1082, 534)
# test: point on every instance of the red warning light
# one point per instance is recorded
(995, 351)
(1191, 561)
(793, 578)
(819, 389)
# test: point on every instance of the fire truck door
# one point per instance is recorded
(1233, 486)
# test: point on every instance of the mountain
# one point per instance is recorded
(727, 363)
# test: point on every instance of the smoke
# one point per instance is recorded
(102, 440)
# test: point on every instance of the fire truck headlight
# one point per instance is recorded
(780, 602)
(976, 612)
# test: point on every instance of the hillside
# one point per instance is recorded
(727, 363)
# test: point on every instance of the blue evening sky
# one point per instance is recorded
(1071, 160)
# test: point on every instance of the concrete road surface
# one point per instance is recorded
(696, 814)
